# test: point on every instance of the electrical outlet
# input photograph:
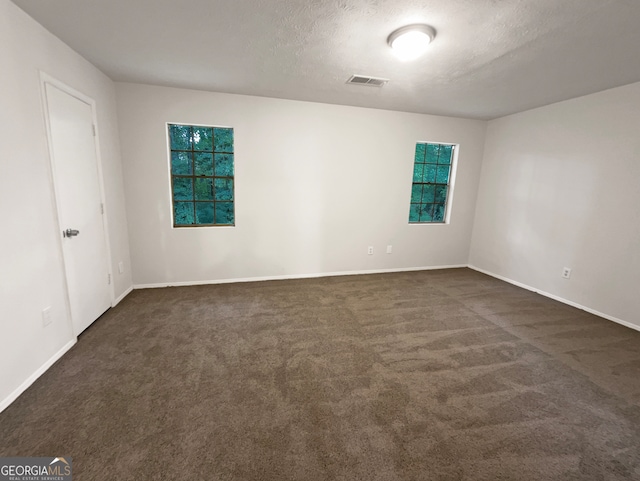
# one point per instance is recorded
(120, 267)
(566, 273)
(389, 249)
(46, 316)
(370, 250)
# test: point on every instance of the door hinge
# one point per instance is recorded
(102, 209)
(93, 128)
(109, 279)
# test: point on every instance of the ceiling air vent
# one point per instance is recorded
(364, 80)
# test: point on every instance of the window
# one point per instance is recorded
(201, 175)
(430, 187)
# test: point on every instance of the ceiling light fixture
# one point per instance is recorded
(411, 41)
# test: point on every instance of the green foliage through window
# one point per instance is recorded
(430, 186)
(202, 175)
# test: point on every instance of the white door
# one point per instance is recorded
(79, 202)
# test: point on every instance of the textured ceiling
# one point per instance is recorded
(490, 57)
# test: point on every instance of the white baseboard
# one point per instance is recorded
(122, 296)
(4, 404)
(42, 369)
(558, 298)
(292, 276)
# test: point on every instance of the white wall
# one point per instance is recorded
(32, 276)
(315, 185)
(560, 186)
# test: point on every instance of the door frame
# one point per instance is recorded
(54, 82)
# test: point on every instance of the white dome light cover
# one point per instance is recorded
(411, 41)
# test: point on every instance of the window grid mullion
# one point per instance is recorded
(194, 202)
(435, 161)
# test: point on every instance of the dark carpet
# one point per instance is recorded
(438, 375)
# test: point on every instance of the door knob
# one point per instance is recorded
(70, 233)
